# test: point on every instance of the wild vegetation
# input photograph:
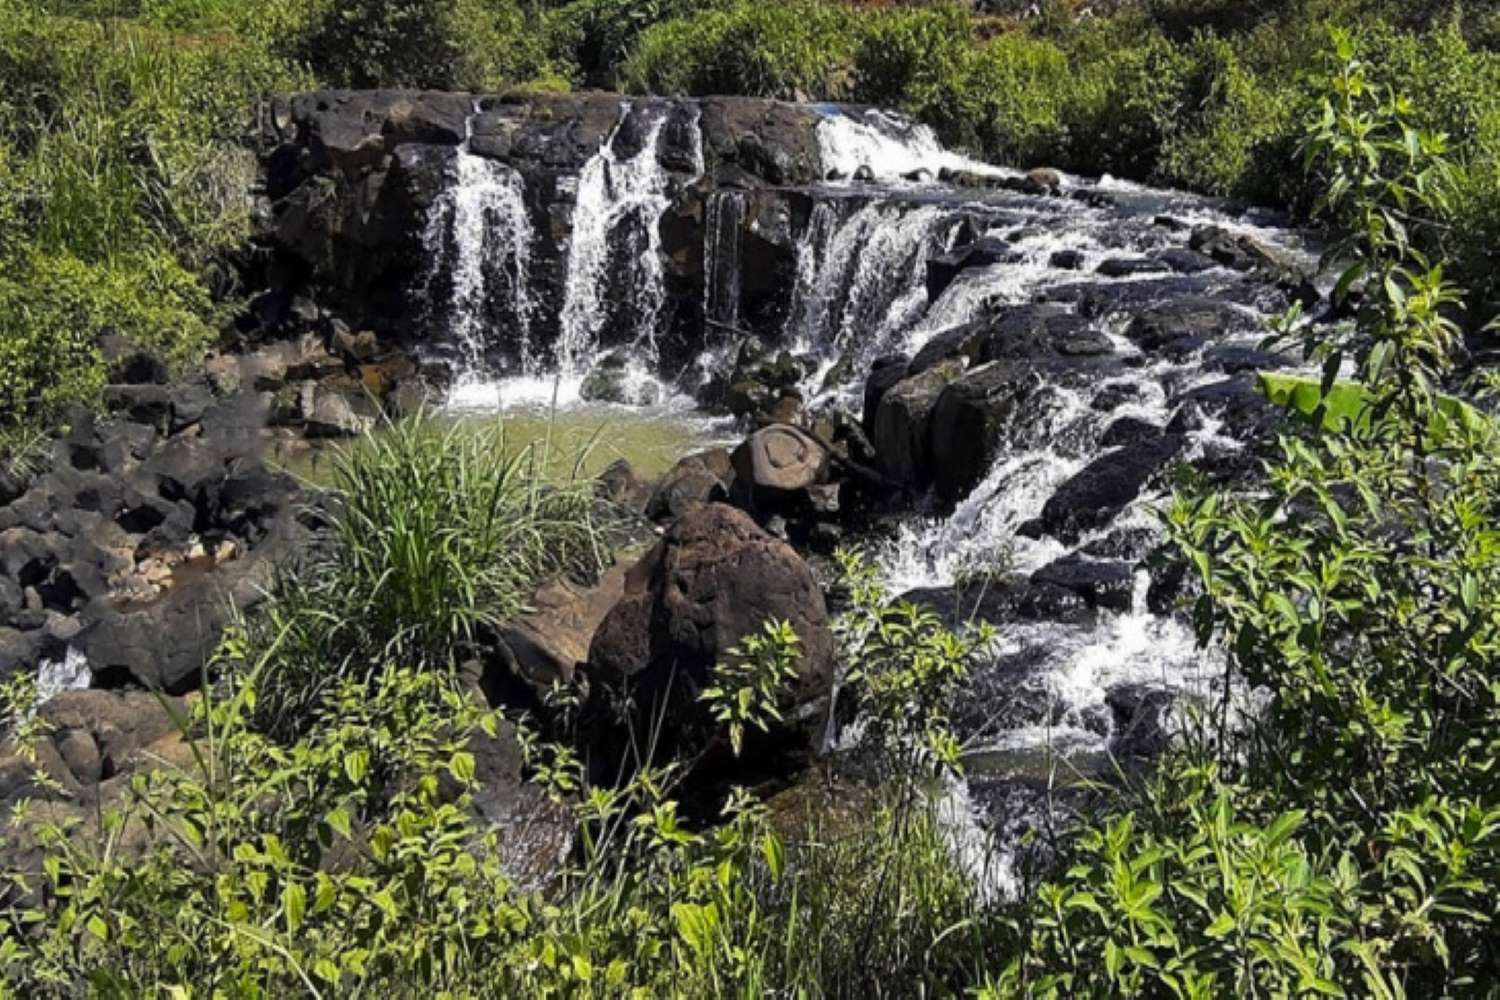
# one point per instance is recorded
(126, 122)
(1337, 837)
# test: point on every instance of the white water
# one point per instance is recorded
(615, 192)
(53, 677)
(721, 257)
(893, 147)
(482, 215)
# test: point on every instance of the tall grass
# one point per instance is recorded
(437, 533)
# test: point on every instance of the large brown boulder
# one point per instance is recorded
(715, 578)
(546, 644)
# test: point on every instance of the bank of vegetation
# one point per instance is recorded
(1340, 839)
(124, 124)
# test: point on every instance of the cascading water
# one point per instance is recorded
(891, 147)
(721, 254)
(617, 225)
(862, 280)
(479, 238)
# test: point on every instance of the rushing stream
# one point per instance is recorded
(1050, 690)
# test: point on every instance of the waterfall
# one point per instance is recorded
(617, 227)
(863, 280)
(481, 221)
(892, 147)
(721, 257)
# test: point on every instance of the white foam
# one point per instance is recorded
(893, 147)
(53, 677)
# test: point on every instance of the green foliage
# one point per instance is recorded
(1344, 837)
(438, 535)
(749, 685)
(790, 50)
(905, 667)
(49, 344)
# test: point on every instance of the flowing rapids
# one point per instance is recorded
(866, 242)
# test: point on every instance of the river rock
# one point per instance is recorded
(1106, 486)
(901, 431)
(1104, 584)
(715, 578)
(693, 482)
(546, 644)
(1190, 316)
(1131, 267)
(779, 462)
(944, 269)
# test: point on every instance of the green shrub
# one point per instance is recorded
(793, 50)
(49, 339)
(438, 534)
(919, 60)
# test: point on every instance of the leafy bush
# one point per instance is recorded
(792, 50)
(49, 344)
(1346, 836)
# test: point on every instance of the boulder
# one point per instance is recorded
(619, 485)
(777, 463)
(1092, 497)
(715, 578)
(1021, 332)
(990, 407)
(1131, 267)
(1104, 584)
(694, 481)
(944, 269)
(901, 431)
(546, 645)
(884, 373)
(1190, 316)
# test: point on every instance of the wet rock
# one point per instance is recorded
(944, 269)
(1190, 316)
(1131, 267)
(621, 486)
(901, 431)
(1068, 260)
(992, 407)
(693, 482)
(779, 463)
(1107, 585)
(1186, 261)
(712, 580)
(885, 373)
(1128, 430)
(1104, 487)
(1139, 719)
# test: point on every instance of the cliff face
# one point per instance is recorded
(352, 180)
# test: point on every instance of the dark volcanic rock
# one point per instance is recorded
(694, 481)
(1102, 584)
(944, 269)
(992, 407)
(901, 432)
(1191, 316)
(1104, 487)
(712, 580)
